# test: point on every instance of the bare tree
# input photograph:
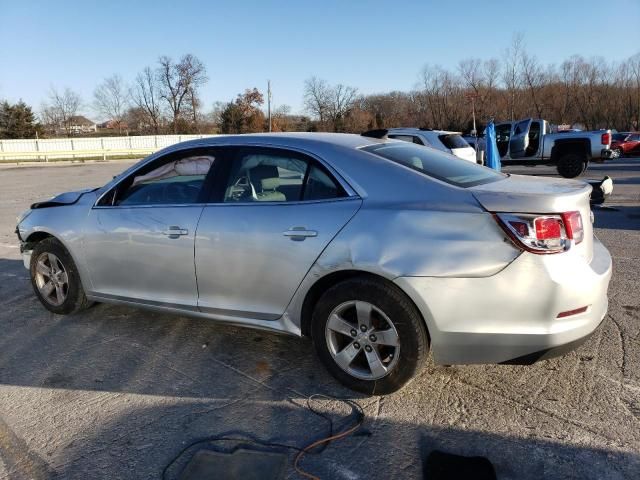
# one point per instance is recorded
(341, 101)
(533, 79)
(317, 99)
(110, 99)
(179, 81)
(145, 94)
(443, 94)
(61, 108)
(329, 103)
(511, 72)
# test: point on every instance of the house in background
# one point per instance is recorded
(79, 124)
(113, 125)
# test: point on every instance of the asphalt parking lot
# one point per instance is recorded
(117, 393)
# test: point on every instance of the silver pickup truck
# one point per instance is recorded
(530, 142)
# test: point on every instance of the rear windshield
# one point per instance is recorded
(619, 137)
(453, 140)
(435, 164)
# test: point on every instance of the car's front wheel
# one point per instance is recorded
(55, 278)
(369, 335)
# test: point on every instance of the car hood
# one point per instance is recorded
(67, 198)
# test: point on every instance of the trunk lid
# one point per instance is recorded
(524, 194)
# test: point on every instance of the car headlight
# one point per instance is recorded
(22, 216)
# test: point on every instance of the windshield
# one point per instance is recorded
(435, 164)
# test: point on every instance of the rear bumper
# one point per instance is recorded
(606, 153)
(512, 317)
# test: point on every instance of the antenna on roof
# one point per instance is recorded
(378, 133)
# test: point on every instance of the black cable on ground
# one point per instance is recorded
(315, 447)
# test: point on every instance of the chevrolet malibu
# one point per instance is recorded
(378, 250)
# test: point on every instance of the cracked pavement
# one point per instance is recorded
(117, 392)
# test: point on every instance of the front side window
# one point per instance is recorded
(278, 176)
(176, 181)
(435, 164)
(521, 127)
(503, 132)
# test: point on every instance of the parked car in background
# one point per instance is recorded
(378, 250)
(530, 142)
(625, 143)
(443, 140)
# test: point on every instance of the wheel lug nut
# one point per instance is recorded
(363, 328)
(373, 338)
(356, 345)
(354, 332)
(368, 348)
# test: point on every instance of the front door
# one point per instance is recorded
(519, 142)
(139, 239)
(277, 212)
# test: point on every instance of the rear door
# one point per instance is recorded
(264, 229)
(519, 141)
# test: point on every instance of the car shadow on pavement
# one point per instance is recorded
(617, 217)
(116, 392)
(141, 442)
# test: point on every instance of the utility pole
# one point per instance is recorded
(472, 97)
(269, 102)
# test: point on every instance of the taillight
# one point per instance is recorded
(573, 224)
(605, 139)
(543, 233)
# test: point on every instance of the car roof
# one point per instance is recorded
(422, 130)
(287, 139)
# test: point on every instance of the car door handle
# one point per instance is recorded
(299, 233)
(175, 232)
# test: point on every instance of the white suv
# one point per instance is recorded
(450, 142)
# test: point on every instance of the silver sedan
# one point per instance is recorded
(378, 250)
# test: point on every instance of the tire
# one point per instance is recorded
(571, 165)
(618, 153)
(66, 294)
(390, 313)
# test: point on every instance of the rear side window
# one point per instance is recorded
(435, 164)
(453, 141)
(320, 186)
(277, 175)
(407, 138)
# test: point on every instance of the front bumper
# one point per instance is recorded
(512, 317)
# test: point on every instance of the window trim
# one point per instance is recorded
(220, 183)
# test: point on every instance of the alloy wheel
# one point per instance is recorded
(362, 340)
(51, 279)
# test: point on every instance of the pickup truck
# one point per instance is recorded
(530, 142)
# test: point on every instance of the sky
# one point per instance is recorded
(374, 46)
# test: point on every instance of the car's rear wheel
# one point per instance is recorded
(571, 165)
(369, 335)
(617, 152)
(55, 278)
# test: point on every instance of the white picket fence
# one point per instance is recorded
(98, 147)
